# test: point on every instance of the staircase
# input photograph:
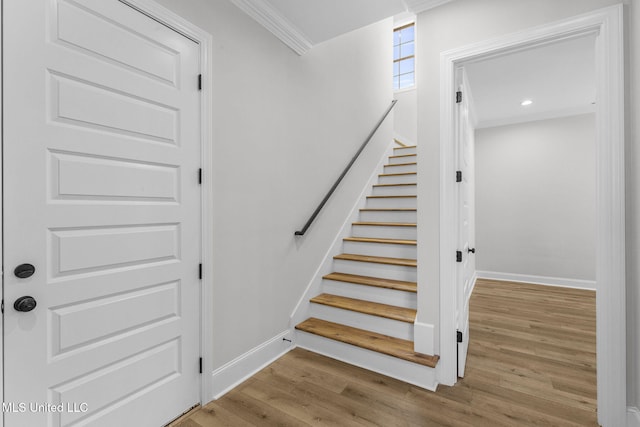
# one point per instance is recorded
(365, 312)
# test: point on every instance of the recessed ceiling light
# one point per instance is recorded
(526, 102)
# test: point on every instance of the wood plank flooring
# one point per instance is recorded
(531, 362)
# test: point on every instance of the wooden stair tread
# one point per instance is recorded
(402, 164)
(396, 185)
(395, 347)
(390, 197)
(398, 285)
(397, 156)
(402, 314)
(385, 224)
(402, 144)
(388, 210)
(398, 174)
(378, 259)
(379, 240)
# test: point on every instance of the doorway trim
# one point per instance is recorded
(168, 18)
(607, 24)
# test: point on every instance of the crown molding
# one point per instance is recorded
(267, 16)
(417, 6)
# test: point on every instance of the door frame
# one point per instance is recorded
(166, 17)
(607, 24)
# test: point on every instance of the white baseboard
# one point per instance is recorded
(633, 417)
(241, 368)
(538, 280)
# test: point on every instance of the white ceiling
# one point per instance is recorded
(559, 78)
(301, 24)
(326, 19)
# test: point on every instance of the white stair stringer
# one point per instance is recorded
(412, 373)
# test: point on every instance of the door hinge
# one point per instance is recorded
(458, 176)
(201, 365)
(458, 256)
(200, 271)
(459, 336)
(458, 97)
(200, 176)
(199, 81)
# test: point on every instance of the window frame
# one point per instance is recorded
(398, 76)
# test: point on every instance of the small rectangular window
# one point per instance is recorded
(404, 57)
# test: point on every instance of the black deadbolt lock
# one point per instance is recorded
(24, 270)
(25, 304)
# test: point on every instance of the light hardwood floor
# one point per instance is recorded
(531, 362)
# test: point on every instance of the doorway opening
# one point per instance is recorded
(606, 26)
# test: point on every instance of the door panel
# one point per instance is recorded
(466, 214)
(101, 153)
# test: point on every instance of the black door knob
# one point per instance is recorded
(25, 304)
(24, 270)
(472, 250)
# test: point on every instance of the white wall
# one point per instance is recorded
(461, 23)
(284, 128)
(536, 198)
(405, 123)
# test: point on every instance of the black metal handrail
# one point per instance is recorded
(344, 172)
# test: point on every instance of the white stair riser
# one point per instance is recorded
(404, 159)
(384, 232)
(412, 373)
(370, 293)
(392, 202)
(372, 269)
(396, 190)
(392, 328)
(407, 150)
(400, 168)
(380, 249)
(398, 179)
(389, 216)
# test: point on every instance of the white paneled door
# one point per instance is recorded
(101, 196)
(466, 214)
